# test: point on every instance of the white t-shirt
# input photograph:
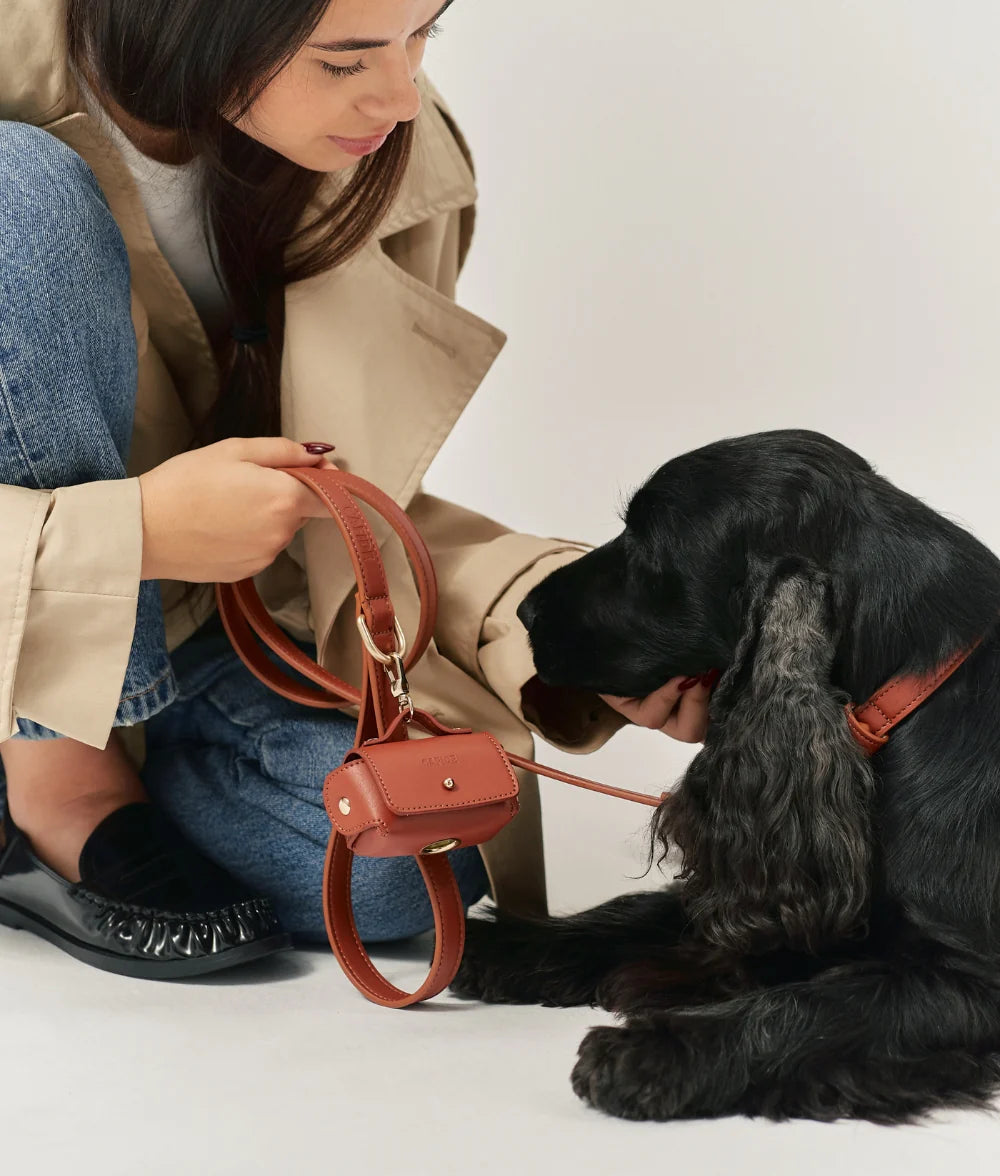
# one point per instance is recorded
(170, 196)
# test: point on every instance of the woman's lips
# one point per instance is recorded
(359, 146)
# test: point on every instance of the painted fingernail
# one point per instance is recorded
(711, 678)
(688, 683)
(317, 448)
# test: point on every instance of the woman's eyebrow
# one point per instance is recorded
(354, 46)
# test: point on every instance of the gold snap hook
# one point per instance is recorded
(393, 664)
(399, 687)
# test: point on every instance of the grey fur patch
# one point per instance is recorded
(773, 816)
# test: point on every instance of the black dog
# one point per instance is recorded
(833, 947)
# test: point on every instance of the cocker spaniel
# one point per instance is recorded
(832, 946)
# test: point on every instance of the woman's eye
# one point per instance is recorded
(344, 71)
(350, 71)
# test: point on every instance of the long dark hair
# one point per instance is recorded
(176, 66)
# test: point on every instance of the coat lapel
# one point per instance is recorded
(382, 366)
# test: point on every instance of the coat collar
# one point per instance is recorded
(35, 81)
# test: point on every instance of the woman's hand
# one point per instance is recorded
(678, 709)
(224, 512)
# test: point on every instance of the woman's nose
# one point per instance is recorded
(396, 99)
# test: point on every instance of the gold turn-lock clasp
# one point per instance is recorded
(446, 845)
(393, 664)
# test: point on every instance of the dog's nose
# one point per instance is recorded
(527, 612)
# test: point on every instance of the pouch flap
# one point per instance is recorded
(444, 772)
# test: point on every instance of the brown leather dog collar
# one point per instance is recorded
(871, 722)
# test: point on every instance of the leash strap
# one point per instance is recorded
(246, 621)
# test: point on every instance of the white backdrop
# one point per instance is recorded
(698, 219)
(701, 220)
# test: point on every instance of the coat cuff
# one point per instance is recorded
(572, 720)
(69, 620)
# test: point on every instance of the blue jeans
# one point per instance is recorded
(238, 767)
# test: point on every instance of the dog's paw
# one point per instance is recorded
(625, 1072)
(517, 961)
(484, 973)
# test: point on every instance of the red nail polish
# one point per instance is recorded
(688, 683)
(317, 448)
(711, 678)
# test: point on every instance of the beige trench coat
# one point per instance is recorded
(380, 339)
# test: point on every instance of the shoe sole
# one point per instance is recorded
(139, 969)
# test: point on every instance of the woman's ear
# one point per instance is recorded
(773, 816)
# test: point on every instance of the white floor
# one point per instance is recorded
(285, 1068)
(288, 1070)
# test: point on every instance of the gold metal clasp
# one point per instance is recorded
(444, 846)
(400, 687)
(393, 664)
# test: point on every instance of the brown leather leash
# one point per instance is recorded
(368, 809)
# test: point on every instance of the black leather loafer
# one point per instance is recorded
(148, 905)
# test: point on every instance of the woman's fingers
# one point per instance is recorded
(689, 719)
(681, 714)
(651, 711)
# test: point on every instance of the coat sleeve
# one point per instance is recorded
(70, 561)
(484, 572)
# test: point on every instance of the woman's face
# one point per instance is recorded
(348, 87)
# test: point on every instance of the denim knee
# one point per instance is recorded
(50, 194)
(41, 177)
(67, 344)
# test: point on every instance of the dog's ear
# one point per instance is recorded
(773, 816)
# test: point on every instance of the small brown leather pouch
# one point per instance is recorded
(422, 796)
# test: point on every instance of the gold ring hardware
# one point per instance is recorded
(449, 783)
(444, 846)
(373, 649)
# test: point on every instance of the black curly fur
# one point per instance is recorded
(833, 946)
